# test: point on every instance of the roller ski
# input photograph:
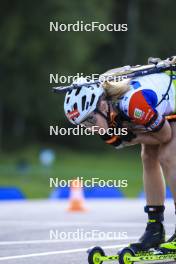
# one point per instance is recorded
(151, 247)
(130, 255)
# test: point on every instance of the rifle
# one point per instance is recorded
(128, 73)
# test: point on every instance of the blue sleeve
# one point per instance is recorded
(151, 98)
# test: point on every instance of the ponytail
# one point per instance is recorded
(115, 90)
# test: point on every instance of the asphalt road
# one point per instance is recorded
(44, 232)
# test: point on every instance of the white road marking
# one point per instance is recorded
(55, 241)
(61, 224)
(56, 252)
(18, 242)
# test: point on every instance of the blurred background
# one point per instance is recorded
(29, 52)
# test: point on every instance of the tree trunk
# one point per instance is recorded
(133, 32)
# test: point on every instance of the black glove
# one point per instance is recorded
(129, 137)
(111, 140)
(117, 122)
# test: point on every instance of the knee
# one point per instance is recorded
(166, 158)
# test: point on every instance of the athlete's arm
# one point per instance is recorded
(142, 111)
(152, 138)
(164, 134)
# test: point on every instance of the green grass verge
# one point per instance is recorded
(34, 181)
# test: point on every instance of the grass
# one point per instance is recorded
(33, 180)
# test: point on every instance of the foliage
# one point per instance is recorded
(29, 52)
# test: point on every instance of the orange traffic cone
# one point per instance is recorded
(76, 197)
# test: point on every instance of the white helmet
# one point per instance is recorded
(81, 102)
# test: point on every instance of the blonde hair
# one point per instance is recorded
(114, 90)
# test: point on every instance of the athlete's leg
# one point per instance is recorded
(167, 159)
(154, 187)
(154, 184)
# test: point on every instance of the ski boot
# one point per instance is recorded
(147, 249)
(153, 236)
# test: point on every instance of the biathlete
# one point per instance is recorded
(141, 104)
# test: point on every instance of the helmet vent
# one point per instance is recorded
(83, 102)
(75, 106)
(68, 99)
(78, 91)
(92, 99)
(69, 92)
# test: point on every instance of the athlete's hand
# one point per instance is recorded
(136, 129)
(129, 137)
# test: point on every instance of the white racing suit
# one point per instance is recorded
(147, 104)
(144, 107)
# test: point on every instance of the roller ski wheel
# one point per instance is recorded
(95, 255)
(125, 255)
